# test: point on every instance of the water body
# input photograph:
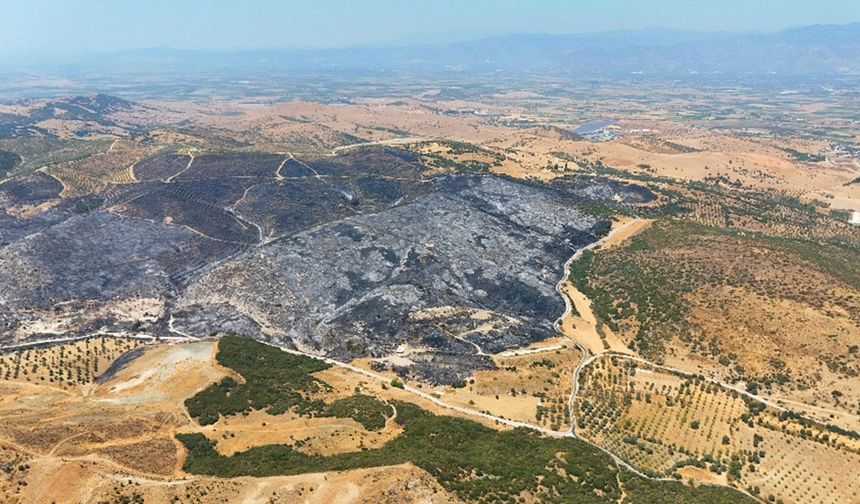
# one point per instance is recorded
(594, 126)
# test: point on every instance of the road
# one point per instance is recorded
(425, 395)
(588, 357)
(530, 351)
(390, 141)
(568, 308)
(56, 341)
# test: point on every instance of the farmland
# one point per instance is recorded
(508, 460)
(679, 291)
(407, 248)
(664, 422)
(69, 365)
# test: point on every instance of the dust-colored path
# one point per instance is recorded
(530, 351)
(390, 141)
(425, 395)
(187, 166)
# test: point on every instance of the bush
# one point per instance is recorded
(275, 381)
(364, 409)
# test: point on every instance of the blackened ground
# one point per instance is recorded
(351, 288)
(8, 161)
(346, 256)
(240, 165)
(160, 167)
(31, 204)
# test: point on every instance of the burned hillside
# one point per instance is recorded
(349, 256)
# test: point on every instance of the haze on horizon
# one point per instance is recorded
(58, 27)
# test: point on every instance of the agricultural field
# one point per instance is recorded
(35, 153)
(457, 156)
(531, 387)
(722, 301)
(410, 248)
(473, 462)
(684, 426)
(93, 173)
(118, 437)
(162, 167)
(67, 365)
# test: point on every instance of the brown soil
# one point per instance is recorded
(99, 442)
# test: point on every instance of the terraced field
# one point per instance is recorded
(413, 291)
(93, 173)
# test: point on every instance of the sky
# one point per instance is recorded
(79, 26)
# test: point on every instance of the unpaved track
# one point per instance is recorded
(140, 336)
(425, 395)
(190, 160)
(588, 358)
(568, 308)
(621, 232)
(390, 141)
(530, 351)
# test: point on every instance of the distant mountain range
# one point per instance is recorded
(812, 51)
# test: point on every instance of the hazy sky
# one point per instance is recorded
(61, 26)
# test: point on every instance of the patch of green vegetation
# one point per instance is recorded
(471, 166)
(684, 149)
(649, 292)
(393, 131)
(646, 282)
(646, 490)
(469, 459)
(275, 381)
(455, 148)
(776, 213)
(475, 462)
(543, 363)
(364, 409)
(38, 152)
(805, 157)
(836, 258)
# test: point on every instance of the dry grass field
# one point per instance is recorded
(532, 388)
(67, 366)
(84, 441)
(743, 270)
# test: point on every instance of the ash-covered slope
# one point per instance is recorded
(361, 254)
(469, 269)
(86, 116)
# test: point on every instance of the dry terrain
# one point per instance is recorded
(99, 442)
(729, 302)
(666, 423)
